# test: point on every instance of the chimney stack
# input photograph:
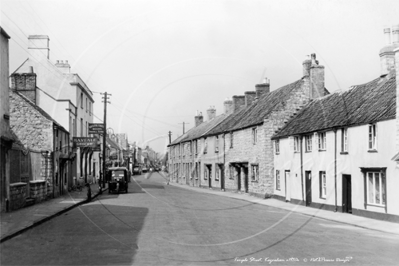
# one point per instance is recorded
(39, 46)
(316, 78)
(306, 67)
(387, 54)
(228, 106)
(249, 97)
(262, 88)
(211, 112)
(64, 67)
(238, 102)
(198, 119)
(25, 83)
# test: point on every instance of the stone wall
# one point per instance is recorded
(18, 194)
(29, 124)
(38, 190)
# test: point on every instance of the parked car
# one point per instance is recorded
(117, 179)
(144, 169)
(137, 170)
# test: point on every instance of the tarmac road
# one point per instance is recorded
(157, 224)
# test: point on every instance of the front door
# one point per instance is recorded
(246, 185)
(308, 184)
(238, 169)
(210, 175)
(287, 186)
(346, 194)
(221, 168)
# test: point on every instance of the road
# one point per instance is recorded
(159, 224)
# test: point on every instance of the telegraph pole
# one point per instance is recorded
(106, 95)
(183, 126)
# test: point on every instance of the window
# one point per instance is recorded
(254, 135)
(323, 184)
(87, 106)
(373, 137)
(217, 172)
(206, 172)
(90, 108)
(231, 140)
(277, 146)
(81, 100)
(216, 144)
(322, 141)
(254, 173)
(87, 130)
(196, 146)
(296, 144)
(277, 179)
(205, 145)
(376, 188)
(308, 143)
(81, 127)
(231, 170)
(344, 140)
(75, 130)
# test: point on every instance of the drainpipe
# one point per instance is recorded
(224, 161)
(335, 168)
(303, 197)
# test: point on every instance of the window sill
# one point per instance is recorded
(344, 152)
(323, 198)
(372, 151)
(375, 205)
(277, 153)
(254, 181)
(216, 151)
(322, 150)
(296, 151)
(308, 151)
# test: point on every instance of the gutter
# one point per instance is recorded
(335, 168)
(303, 197)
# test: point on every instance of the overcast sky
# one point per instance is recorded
(164, 60)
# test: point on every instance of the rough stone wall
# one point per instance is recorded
(397, 97)
(32, 128)
(18, 194)
(38, 191)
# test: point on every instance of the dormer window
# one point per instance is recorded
(254, 135)
(216, 144)
(322, 141)
(296, 144)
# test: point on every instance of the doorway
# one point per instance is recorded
(308, 185)
(346, 194)
(221, 168)
(209, 168)
(238, 170)
(287, 185)
(246, 182)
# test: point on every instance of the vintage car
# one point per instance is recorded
(118, 178)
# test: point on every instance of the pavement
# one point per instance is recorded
(344, 218)
(16, 222)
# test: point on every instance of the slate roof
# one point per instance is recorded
(362, 104)
(257, 112)
(200, 130)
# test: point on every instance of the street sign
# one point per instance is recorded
(96, 128)
(85, 142)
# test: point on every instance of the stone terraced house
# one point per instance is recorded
(39, 169)
(236, 152)
(341, 152)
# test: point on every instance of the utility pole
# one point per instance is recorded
(183, 126)
(106, 95)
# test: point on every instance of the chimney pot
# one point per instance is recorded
(395, 34)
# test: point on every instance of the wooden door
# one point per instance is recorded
(287, 185)
(346, 194)
(221, 168)
(308, 185)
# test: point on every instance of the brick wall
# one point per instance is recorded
(397, 97)
(25, 83)
(38, 190)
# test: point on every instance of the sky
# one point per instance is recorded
(164, 60)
